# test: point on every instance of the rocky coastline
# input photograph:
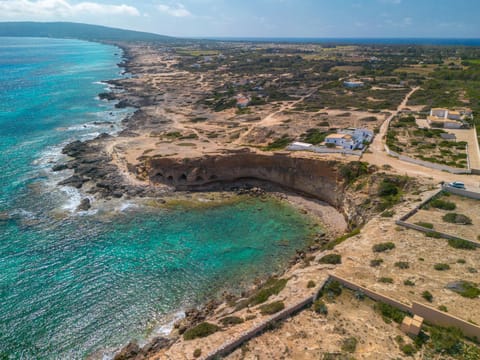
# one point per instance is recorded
(97, 174)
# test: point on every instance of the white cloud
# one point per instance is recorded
(177, 10)
(34, 9)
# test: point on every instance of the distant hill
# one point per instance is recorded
(76, 31)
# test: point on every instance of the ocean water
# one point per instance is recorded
(73, 284)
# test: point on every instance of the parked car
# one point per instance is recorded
(457, 184)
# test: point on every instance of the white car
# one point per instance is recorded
(457, 184)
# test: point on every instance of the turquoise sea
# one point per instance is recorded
(73, 284)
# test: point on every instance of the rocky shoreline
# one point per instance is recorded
(96, 173)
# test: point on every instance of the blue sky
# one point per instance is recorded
(263, 18)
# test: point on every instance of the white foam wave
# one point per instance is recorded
(168, 327)
(73, 198)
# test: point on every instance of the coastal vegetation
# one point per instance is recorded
(272, 287)
(382, 247)
(272, 308)
(332, 259)
(201, 330)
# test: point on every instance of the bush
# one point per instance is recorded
(231, 320)
(443, 308)
(332, 259)
(402, 264)
(441, 267)
(383, 247)
(443, 204)
(424, 224)
(311, 284)
(386, 280)
(408, 283)
(197, 353)
(408, 349)
(332, 289)
(272, 287)
(461, 244)
(388, 188)
(200, 331)
(455, 218)
(465, 288)
(376, 262)
(390, 312)
(427, 295)
(272, 308)
(320, 307)
(433, 234)
(446, 340)
(349, 345)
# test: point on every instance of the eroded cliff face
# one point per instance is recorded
(317, 178)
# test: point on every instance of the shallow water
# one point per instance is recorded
(75, 283)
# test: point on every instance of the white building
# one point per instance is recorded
(350, 138)
(449, 119)
(299, 146)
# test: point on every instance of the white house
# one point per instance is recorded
(343, 140)
(350, 138)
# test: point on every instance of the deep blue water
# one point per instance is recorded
(360, 41)
(76, 283)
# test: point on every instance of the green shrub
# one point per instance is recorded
(278, 144)
(390, 312)
(311, 284)
(272, 308)
(349, 345)
(446, 340)
(201, 330)
(443, 204)
(386, 280)
(443, 308)
(465, 288)
(427, 295)
(273, 286)
(197, 353)
(332, 289)
(461, 244)
(461, 261)
(408, 349)
(320, 307)
(231, 320)
(424, 224)
(455, 218)
(441, 267)
(387, 188)
(376, 262)
(408, 283)
(433, 234)
(332, 259)
(383, 247)
(402, 264)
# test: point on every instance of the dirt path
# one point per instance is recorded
(270, 118)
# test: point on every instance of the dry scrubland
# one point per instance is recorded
(186, 95)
